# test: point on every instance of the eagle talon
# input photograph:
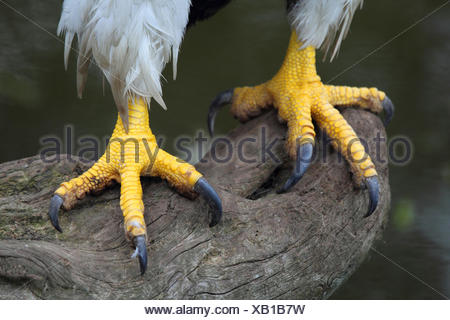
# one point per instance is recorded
(304, 156)
(141, 253)
(389, 109)
(55, 205)
(221, 100)
(374, 191)
(207, 191)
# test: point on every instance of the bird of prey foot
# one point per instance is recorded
(129, 156)
(298, 94)
(131, 42)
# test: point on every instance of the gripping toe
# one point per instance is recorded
(374, 193)
(55, 205)
(389, 109)
(207, 191)
(218, 103)
(141, 253)
(304, 156)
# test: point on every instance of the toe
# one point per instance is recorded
(207, 191)
(371, 99)
(345, 140)
(187, 180)
(218, 103)
(249, 102)
(389, 109)
(374, 194)
(141, 252)
(55, 205)
(304, 157)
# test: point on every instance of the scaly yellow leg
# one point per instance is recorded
(298, 94)
(130, 155)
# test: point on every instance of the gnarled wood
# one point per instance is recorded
(303, 244)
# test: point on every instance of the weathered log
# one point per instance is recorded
(303, 244)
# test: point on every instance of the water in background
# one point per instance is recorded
(243, 45)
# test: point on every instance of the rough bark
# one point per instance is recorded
(299, 245)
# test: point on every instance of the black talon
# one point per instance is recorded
(204, 188)
(141, 252)
(221, 100)
(304, 156)
(389, 109)
(374, 191)
(55, 205)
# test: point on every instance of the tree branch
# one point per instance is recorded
(299, 245)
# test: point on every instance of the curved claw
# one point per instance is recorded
(374, 192)
(220, 101)
(207, 191)
(304, 156)
(141, 252)
(55, 205)
(389, 109)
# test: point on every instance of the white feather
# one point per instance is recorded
(130, 40)
(323, 23)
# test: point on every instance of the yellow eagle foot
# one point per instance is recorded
(298, 94)
(131, 154)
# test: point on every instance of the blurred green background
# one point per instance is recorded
(244, 45)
